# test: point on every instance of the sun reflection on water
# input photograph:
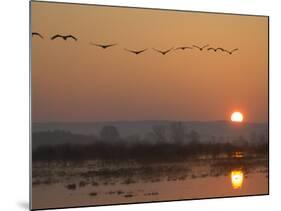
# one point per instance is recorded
(237, 177)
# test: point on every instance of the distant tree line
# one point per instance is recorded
(160, 145)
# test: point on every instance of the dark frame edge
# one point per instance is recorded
(30, 106)
(268, 99)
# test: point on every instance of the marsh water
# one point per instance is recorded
(98, 182)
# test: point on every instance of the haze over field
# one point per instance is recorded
(215, 131)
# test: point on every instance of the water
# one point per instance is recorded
(97, 182)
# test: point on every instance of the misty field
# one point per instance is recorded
(96, 182)
(87, 169)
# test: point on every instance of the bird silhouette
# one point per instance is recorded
(64, 37)
(37, 34)
(230, 52)
(183, 48)
(103, 46)
(163, 52)
(135, 52)
(215, 49)
(200, 48)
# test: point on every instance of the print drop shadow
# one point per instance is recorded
(24, 205)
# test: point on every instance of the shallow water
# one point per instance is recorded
(70, 184)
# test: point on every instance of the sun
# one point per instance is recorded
(237, 117)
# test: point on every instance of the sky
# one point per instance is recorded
(75, 81)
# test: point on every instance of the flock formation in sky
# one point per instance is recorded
(163, 52)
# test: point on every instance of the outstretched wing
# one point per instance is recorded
(221, 49)
(200, 48)
(71, 36)
(56, 36)
(196, 46)
(227, 51)
(211, 49)
(110, 45)
(167, 51)
(141, 51)
(158, 50)
(205, 46)
(131, 51)
(37, 34)
(91, 43)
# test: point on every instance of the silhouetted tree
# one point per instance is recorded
(66, 146)
(109, 133)
(177, 132)
(194, 137)
(241, 142)
(159, 134)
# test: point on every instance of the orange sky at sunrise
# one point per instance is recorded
(74, 81)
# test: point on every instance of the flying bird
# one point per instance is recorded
(135, 52)
(183, 48)
(37, 34)
(103, 46)
(163, 52)
(215, 49)
(200, 48)
(230, 52)
(64, 37)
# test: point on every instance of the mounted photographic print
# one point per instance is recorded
(135, 105)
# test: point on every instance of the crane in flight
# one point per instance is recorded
(230, 52)
(215, 49)
(183, 48)
(104, 46)
(163, 52)
(200, 48)
(134, 51)
(37, 34)
(64, 37)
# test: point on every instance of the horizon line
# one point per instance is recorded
(151, 120)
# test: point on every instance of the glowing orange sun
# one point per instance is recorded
(237, 116)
